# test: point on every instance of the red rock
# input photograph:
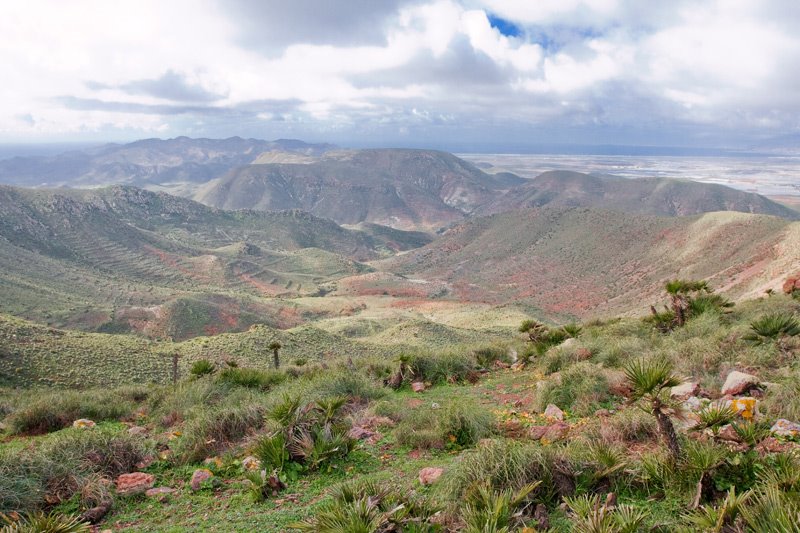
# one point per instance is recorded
(729, 434)
(583, 354)
(429, 475)
(500, 364)
(418, 386)
(199, 475)
(772, 445)
(134, 483)
(792, 284)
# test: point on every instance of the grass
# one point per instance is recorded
(454, 424)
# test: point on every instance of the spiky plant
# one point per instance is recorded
(534, 329)
(718, 519)
(573, 330)
(680, 292)
(770, 509)
(752, 432)
(202, 367)
(39, 522)
(701, 460)
(650, 381)
(713, 416)
(490, 511)
(773, 327)
(594, 516)
(705, 303)
(271, 450)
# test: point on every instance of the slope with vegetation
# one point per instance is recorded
(584, 262)
(91, 258)
(605, 426)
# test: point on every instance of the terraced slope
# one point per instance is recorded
(408, 189)
(586, 262)
(653, 196)
(86, 258)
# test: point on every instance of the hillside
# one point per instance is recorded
(652, 196)
(407, 189)
(586, 262)
(84, 258)
(149, 161)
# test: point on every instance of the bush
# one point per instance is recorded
(214, 430)
(251, 378)
(56, 410)
(202, 367)
(487, 355)
(351, 385)
(510, 465)
(459, 423)
(441, 368)
(65, 465)
(580, 388)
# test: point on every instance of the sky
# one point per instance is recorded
(494, 75)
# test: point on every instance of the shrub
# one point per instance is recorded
(202, 367)
(216, 429)
(251, 378)
(47, 523)
(64, 466)
(489, 510)
(459, 423)
(630, 425)
(772, 327)
(441, 368)
(510, 464)
(487, 355)
(580, 388)
(52, 411)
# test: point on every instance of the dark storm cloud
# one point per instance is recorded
(270, 25)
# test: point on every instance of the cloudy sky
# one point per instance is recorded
(444, 73)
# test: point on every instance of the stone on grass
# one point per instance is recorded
(134, 483)
(738, 383)
(552, 411)
(418, 386)
(785, 428)
(251, 463)
(198, 477)
(137, 430)
(83, 423)
(685, 390)
(429, 475)
(729, 434)
(161, 494)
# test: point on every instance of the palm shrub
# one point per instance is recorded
(650, 381)
(681, 293)
(721, 518)
(773, 327)
(311, 434)
(705, 303)
(770, 509)
(592, 516)
(39, 522)
(491, 511)
(714, 416)
(364, 507)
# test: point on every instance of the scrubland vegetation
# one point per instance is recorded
(615, 425)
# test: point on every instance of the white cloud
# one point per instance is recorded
(123, 66)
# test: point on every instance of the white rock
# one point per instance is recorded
(552, 411)
(785, 428)
(685, 390)
(738, 382)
